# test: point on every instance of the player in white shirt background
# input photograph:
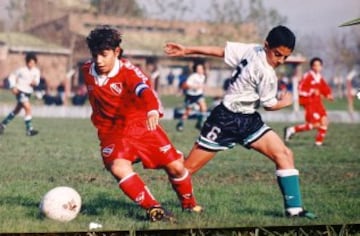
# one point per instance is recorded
(194, 96)
(21, 84)
(236, 121)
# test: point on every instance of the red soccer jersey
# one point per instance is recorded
(124, 96)
(311, 88)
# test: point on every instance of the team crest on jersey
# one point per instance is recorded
(165, 149)
(116, 88)
(108, 150)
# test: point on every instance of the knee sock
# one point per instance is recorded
(288, 181)
(320, 136)
(8, 118)
(133, 186)
(28, 123)
(303, 127)
(184, 190)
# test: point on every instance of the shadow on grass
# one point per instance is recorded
(100, 204)
(31, 205)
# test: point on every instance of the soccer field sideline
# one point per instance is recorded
(85, 112)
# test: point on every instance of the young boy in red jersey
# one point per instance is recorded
(126, 113)
(312, 88)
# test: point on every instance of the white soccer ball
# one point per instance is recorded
(61, 204)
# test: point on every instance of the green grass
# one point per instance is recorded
(171, 101)
(238, 188)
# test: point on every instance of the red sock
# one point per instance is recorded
(184, 190)
(136, 190)
(302, 127)
(320, 136)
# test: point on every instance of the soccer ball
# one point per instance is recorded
(61, 204)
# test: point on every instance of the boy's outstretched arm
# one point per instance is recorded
(178, 50)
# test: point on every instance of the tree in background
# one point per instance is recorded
(117, 8)
(238, 12)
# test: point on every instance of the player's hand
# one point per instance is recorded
(152, 120)
(174, 49)
(286, 98)
(330, 97)
(316, 92)
(15, 91)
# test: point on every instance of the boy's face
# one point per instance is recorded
(31, 64)
(276, 56)
(316, 66)
(105, 60)
(200, 69)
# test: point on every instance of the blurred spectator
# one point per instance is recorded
(52, 97)
(40, 89)
(170, 78)
(154, 74)
(182, 78)
(80, 96)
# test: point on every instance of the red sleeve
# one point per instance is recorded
(325, 88)
(304, 90)
(305, 86)
(150, 99)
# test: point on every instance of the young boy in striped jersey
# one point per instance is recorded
(236, 121)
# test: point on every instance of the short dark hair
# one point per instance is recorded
(281, 36)
(30, 56)
(103, 38)
(314, 59)
(196, 64)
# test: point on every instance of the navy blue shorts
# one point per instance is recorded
(22, 97)
(191, 101)
(223, 129)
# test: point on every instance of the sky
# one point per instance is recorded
(319, 17)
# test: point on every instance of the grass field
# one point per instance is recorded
(171, 101)
(238, 188)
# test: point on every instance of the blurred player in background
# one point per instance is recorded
(126, 113)
(22, 83)
(194, 96)
(236, 120)
(312, 89)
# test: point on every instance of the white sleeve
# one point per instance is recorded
(12, 79)
(234, 53)
(37, 77)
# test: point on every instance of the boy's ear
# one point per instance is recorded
(266, 45)
(118, 51)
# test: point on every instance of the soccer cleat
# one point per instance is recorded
(302, 214)
(31, 132)
(179, 127)
(2, 128)
(318, 144)
(195, 209)
(198, 126)
(158, 213)
(288, 133)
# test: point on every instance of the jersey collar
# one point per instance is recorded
(112, 73)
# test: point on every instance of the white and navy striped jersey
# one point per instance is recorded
(254, 81)
(24, 78)
(195, 82)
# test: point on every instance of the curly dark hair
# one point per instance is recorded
(103, 38)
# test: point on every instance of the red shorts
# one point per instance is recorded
(153, 148)
(314, 113)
